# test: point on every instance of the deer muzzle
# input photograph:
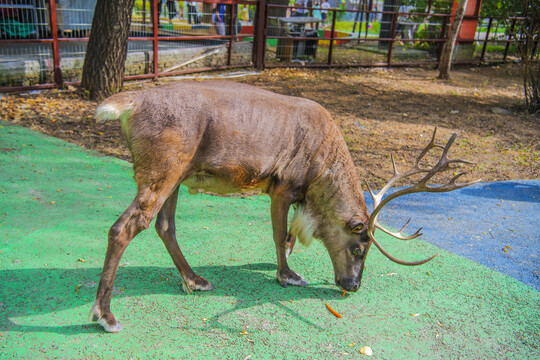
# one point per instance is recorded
(349, 284)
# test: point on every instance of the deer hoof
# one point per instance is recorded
(110, 328)
(290, 278)
(198, 283)
(109, 323)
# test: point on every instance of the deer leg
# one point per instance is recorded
(289, 244)
(136, 218)
(166, 230)
(281, 200)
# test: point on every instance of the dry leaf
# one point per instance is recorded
(366, 350)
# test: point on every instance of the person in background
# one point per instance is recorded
(244, 15)
(192, 12)
(217, 20)
(159, 4)
(171, 6)
(405, 23)
(324, 12)
(317, 10)
(300, 11)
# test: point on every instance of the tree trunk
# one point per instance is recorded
(448, 48)
(529, 30)
(104, 63)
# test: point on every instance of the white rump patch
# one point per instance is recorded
(111, 111)
(115, 110)
(302, 226)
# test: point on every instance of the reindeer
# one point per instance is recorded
(227, 137)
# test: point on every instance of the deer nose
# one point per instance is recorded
(349, 284)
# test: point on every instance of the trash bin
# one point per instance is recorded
(306, 48)
(290, 48)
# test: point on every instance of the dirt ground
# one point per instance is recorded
(380, 111)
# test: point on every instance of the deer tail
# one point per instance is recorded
(116, 107)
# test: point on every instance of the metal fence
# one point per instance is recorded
(350, 37)
(43, 42)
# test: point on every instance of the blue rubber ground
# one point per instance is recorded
(495, 224)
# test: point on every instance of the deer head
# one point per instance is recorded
(367, 232)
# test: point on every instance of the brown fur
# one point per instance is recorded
(229, 137)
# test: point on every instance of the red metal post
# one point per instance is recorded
(392, 40)
(155, 39)
(486, 41)
(260, 35)
(331, 46)
(509, 39)
(231, 33)
(57, 71)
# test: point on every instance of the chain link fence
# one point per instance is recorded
(43, 42)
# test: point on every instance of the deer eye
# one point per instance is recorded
(358, 251)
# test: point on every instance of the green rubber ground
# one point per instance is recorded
(57, 202)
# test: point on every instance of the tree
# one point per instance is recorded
(503, 8)
(104, 63)
(449, 45)
(529, 48)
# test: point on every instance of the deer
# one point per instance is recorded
(227, 137)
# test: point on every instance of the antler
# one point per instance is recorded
(442, 165)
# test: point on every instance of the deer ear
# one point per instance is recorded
(355, 225)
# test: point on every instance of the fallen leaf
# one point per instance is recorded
(414, 315)
(366, 350)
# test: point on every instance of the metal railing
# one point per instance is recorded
(54, 56)
(362, 42)
(43, 42)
